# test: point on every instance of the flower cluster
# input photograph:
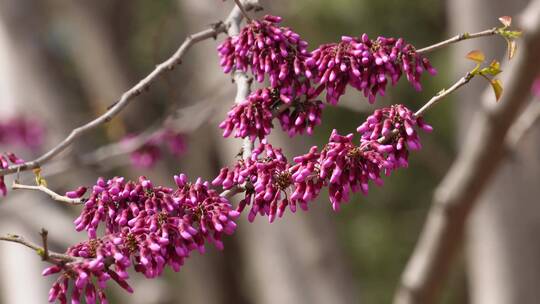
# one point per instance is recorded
(397, 125)
(367, 65)
(5, 160)
(271, 183)
(253, 117)
(150, 152)
(266, 178)
(22, 131)
(342, 166)
(265, 48)
(146, 227)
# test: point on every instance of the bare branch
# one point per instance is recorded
(442, 94)
(55, 196)
(457, 38)
(52, 257)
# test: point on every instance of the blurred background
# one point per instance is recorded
(64, 62)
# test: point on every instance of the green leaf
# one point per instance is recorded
(40, 181)
(506, 20)
(493, 69)
(476, 55)
(496, 84)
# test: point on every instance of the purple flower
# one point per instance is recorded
(265, 48)
(302, 117)
(397, 124)
(146, 227)
(267, 179)
(367, 65)
(146, 156)
(341, 165)
(251, 118)
(5, 160)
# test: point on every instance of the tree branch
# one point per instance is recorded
(243, 82)
(477, 162)
(44, 253)
(457, 38)
(442, 94)
(55, 196)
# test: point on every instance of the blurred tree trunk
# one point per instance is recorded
(501, 248)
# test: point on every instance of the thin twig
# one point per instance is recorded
(52, 257)
(433, 101)
(55, 196)
(44, 234)
(457, 38)
(442, 94)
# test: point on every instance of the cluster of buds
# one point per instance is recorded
(265, 48)
(5, 160)
(253, 117)
(341, 166)
(266, 178)
(151, 151)
(146, 227)
(367, 65)
(397, 125)
(271, 183)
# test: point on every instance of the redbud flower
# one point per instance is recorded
(251, 118)
(147, 227)
(367, 65)
(146, 156)
(267, 177)
(302, 117)
(342, 166)
(265, 48)
(5, 160)
(397, 124)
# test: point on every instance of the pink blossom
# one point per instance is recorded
(367, 65)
